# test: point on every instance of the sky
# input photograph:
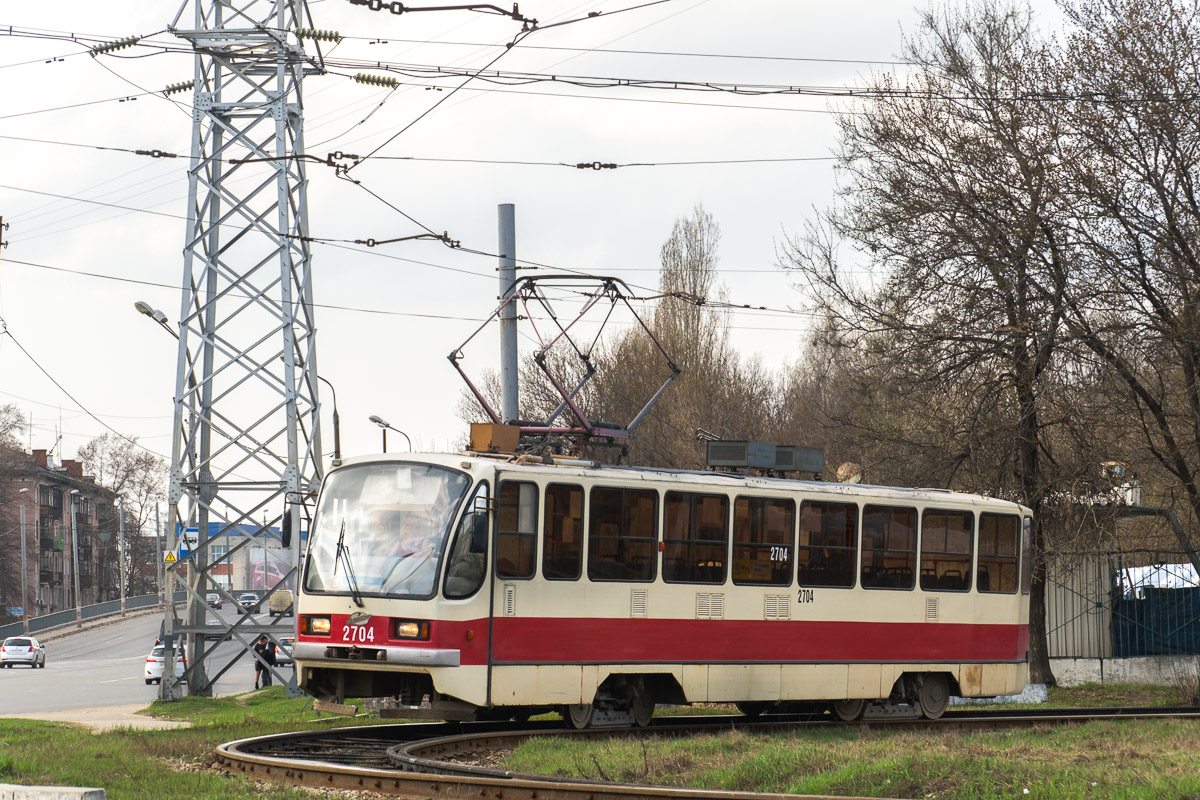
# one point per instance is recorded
(73, 270)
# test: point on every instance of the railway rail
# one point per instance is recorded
(427, 759)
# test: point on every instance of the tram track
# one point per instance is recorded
(429, 759)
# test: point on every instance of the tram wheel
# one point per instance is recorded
(579, 715)
(933, 697)
(848, 710)
(642, 706)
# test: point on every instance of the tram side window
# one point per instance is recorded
(622, 534)
(695, 535)
(762, 540)
(1026, 555)
(562, 553)
(946, 550)
(999, 536)
(825, 553)
(889, 547)
(516, 530)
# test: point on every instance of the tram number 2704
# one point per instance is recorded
(357, 633)
(805, 596)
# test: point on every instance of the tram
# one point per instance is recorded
(475, 586)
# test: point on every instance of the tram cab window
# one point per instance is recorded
(998, 554)
(516, 530)
(466, 564)
(763, 536)
(622, 534)
(695, 537)
(946, 550)
(889, 547)
(828, 544)
(562, 554)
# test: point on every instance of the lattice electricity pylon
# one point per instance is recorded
(530, 290)
(247, 441)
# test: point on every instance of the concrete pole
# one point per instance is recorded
(121, 571)
(24, 572)
(510, 409)
(158, 553)
(75, 555)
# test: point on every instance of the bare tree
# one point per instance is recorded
(1132, 69)
(949, 199)
(136, 477)
(12, 425)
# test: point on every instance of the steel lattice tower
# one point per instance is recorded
(246, 436)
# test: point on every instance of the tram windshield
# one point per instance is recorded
(380, 529)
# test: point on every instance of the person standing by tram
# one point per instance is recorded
(264, 659)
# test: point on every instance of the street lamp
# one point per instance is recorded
(154, 314)
(75, 555)
(337, 431)
(385, 428)
(24, 571)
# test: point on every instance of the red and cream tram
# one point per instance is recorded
(475, 586)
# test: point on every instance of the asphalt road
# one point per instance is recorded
(104, 666)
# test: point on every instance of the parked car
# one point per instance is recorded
(281, 603)
(155, 661)
(22, 650)
(213, 599)
(248, 600)
(283, 653)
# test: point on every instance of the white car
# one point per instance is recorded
(22, 650)
(154, 664)
(283, 653)
(247, 600)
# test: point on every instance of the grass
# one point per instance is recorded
(1149, 759)
(152, 764)
(1123, 760)
(1154, 759)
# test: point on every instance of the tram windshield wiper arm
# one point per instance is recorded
(343, 555)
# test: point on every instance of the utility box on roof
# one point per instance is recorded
(487, 437)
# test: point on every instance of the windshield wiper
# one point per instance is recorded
(343, 555)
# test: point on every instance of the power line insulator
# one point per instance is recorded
(376, 80)
(182, 86)
(119, 44)
(318, 36)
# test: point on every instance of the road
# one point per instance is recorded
(104, 667)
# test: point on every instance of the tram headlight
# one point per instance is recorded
(411, 629)
(314, 626)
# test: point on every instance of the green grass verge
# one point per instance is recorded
(153, 764)
(1154, 759)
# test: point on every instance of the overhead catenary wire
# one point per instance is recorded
(4, 331)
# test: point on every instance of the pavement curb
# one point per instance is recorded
(9, 791)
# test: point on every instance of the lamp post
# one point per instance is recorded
(337, 433)
(385, 427)
(121, 566)
(24, 570)
(75, 555)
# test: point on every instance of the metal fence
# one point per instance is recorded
(48, 621)
(1122, 605)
